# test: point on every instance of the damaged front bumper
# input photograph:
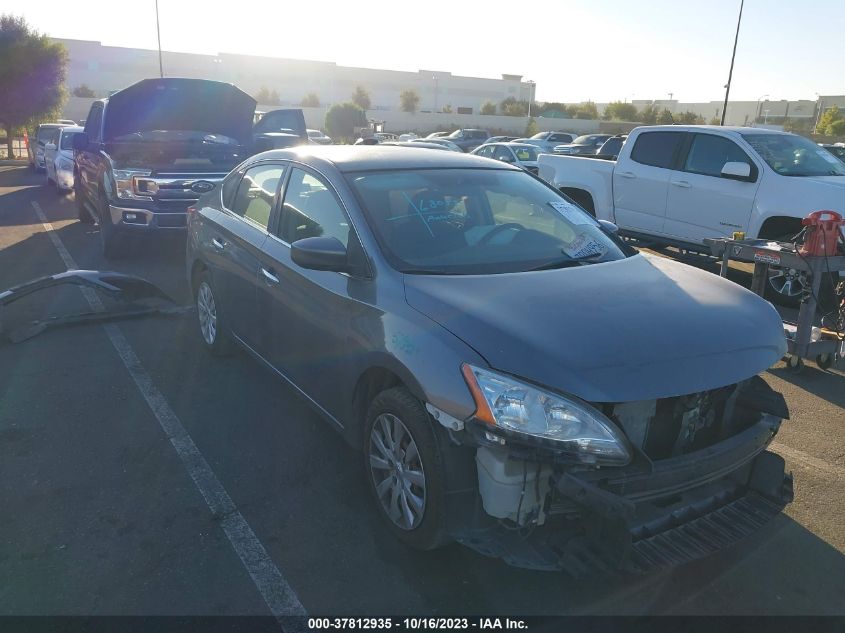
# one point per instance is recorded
(637, 518)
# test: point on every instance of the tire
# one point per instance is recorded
(81, 211)
(388, 469)
(826, 297)
(111, 242)
(211, 326)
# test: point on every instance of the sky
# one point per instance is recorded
(575, 50)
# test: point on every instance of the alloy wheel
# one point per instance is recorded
(207, 313)
(788, 282)
(397, 471)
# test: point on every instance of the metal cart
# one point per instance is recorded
(764, 253)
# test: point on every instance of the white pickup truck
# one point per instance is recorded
(676, 185)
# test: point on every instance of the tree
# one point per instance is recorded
(828, 118)
(343, 118)
(513, 107)
(447, 109)
(531, 128)
(361, 98)
(488, 107)
(688, 118)
(665, 117)
(649, 114)
(83, 91)
(620, 111)
(837, 128)
(409, 100)
(586, 110)
(554, 109)
(267, 97)
(32, 74)
(311, 100)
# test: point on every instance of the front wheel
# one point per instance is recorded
(405, 469)
(110, 240)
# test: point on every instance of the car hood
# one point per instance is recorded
(635, 329)
(180, 104)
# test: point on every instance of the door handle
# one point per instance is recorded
(269, 277)
(681, 183)
(218, 243)
(627, 174)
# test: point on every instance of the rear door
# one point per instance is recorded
(700, 202)
(641, 181)
(233, 244)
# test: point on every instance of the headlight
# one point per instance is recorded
(124, 183)
(569, 425)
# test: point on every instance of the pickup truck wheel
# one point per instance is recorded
(81, 212)
(212, 328)
(405, 469)
(110, 241)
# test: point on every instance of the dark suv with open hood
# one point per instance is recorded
(151, 149)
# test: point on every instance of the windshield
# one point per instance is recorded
(67, 140)
(791, 155)
(583, 140)
(526, 152)
(540, 135)
(477, 221)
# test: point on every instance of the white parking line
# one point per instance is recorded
(808, 460)
(277, 593)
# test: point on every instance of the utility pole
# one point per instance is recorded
(158, 33)
(819, 113)
(530, 95)
(733, 56)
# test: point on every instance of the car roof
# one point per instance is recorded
(349, 158)
(73, 128)
(714, 128)
(53, 125)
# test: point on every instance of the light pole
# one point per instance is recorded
(766, 116)
(158, 34)
(759, 99)
(819, 113)
(731, 72)
(531, 86)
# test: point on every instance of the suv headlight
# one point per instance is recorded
(565, 423)
(124, 183)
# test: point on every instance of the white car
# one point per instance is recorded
(319, 137)
(408, 136)
(681, 184)
(58, 157)
(521, 154)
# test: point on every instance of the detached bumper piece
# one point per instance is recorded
(132, 294)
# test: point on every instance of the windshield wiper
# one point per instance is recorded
(567, 262)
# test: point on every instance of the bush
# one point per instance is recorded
(409, 100)
(311, 100)
(343, 118)
(488, 107)
(83, 91)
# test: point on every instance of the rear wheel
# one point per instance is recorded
(212, 328)
(405, 469)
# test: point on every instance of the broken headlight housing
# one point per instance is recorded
(565, 424)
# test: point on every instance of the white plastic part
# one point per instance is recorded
(444, 418)
(503, 482)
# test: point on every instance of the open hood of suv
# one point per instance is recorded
(635, 329)
(180, 104)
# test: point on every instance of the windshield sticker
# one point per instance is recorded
(570, 212)
(584, 246)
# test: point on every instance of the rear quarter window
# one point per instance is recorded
(657, 149)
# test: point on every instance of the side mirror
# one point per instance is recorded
(320, 253)
(80, 142)
(736, 171)
(610, 227)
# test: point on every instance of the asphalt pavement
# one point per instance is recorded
(104, 511)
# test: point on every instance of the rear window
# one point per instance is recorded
(656, 148)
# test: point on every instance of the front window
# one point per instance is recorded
(478, 221)
(540, 136)
(583, 140)
(791, 155)
(67, 140)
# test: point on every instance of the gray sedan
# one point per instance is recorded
(515, 376)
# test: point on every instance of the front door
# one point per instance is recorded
(701, 203)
